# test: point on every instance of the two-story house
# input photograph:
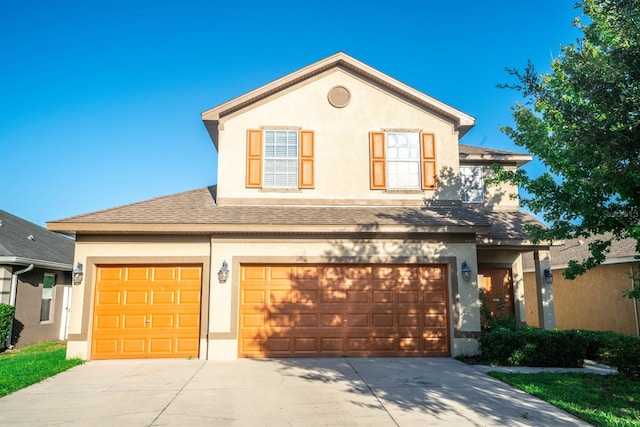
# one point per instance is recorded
(346, 220)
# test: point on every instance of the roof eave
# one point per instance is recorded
(136, 228)
(15, 260)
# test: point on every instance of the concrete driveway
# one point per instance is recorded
(277, 392)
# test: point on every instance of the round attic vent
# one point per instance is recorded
(339, 96)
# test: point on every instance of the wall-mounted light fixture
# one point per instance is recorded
(465, 271)
(223, 274)
(548, 276)
(77, 274)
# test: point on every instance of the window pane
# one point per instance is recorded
(472, 184)
(281, 158)
(403, 160)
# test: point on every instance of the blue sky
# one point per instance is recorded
(100, 101)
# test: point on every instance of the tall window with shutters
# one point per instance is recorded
(402, 161)
(280, 159)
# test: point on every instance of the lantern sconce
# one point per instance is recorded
(223, 274)
(548, 276)
(465, 271)
(77, 274)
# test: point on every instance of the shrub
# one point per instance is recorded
(527, 346)
(6, 321)
(622, 352)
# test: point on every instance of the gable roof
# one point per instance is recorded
(23, 242)
(196, 212)
(463, 121)
(470, 153)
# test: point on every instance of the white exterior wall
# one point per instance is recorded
(341, 149)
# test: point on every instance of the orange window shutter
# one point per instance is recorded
(429, 172)
(377, 158)
(254, 158)
(305, 154)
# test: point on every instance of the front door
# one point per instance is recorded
(497, 291)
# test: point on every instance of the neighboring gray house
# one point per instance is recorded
(35, 276)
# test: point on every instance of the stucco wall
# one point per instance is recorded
(92, 250)
(219, 339)
(593, 301)
(464, 308)
(341, 148)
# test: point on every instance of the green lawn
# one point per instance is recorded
(602, 400)
(32, 364)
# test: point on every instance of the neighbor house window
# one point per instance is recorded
(280, 159)
(401, 160)
(48, 283)
(472, 184)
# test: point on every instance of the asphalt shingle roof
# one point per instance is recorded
(199, 207)
(578, 249)
(43, 245)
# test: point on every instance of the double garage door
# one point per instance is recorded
(322, 310)
(146, 311)
(343, 310)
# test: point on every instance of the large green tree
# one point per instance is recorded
(582, 120)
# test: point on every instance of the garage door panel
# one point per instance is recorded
(333, 296)
(163, 297)
(383, 320)
(280, 320)
(336, 310)
(280, 296)
(362, 320)
(358, 296)
(306, 320)
(134, 346)
(253, 297)
(135, 297)
(149, 317)
(380, 297)
(137, 274)
(331, 320)
(306, 296)
(107, 322)
(252, 321)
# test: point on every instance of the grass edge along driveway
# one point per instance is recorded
(30, 365)
(602, 400)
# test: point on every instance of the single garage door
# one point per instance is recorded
(146, 311)
(343, 310)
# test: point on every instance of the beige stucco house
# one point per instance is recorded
(348, 215)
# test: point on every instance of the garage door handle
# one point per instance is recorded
(497, 299)
(147, 321)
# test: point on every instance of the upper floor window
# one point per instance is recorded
(402, 160)
(280, 159)
(472, 184)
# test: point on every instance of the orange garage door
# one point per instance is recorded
(146, 311)
(343, 310)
